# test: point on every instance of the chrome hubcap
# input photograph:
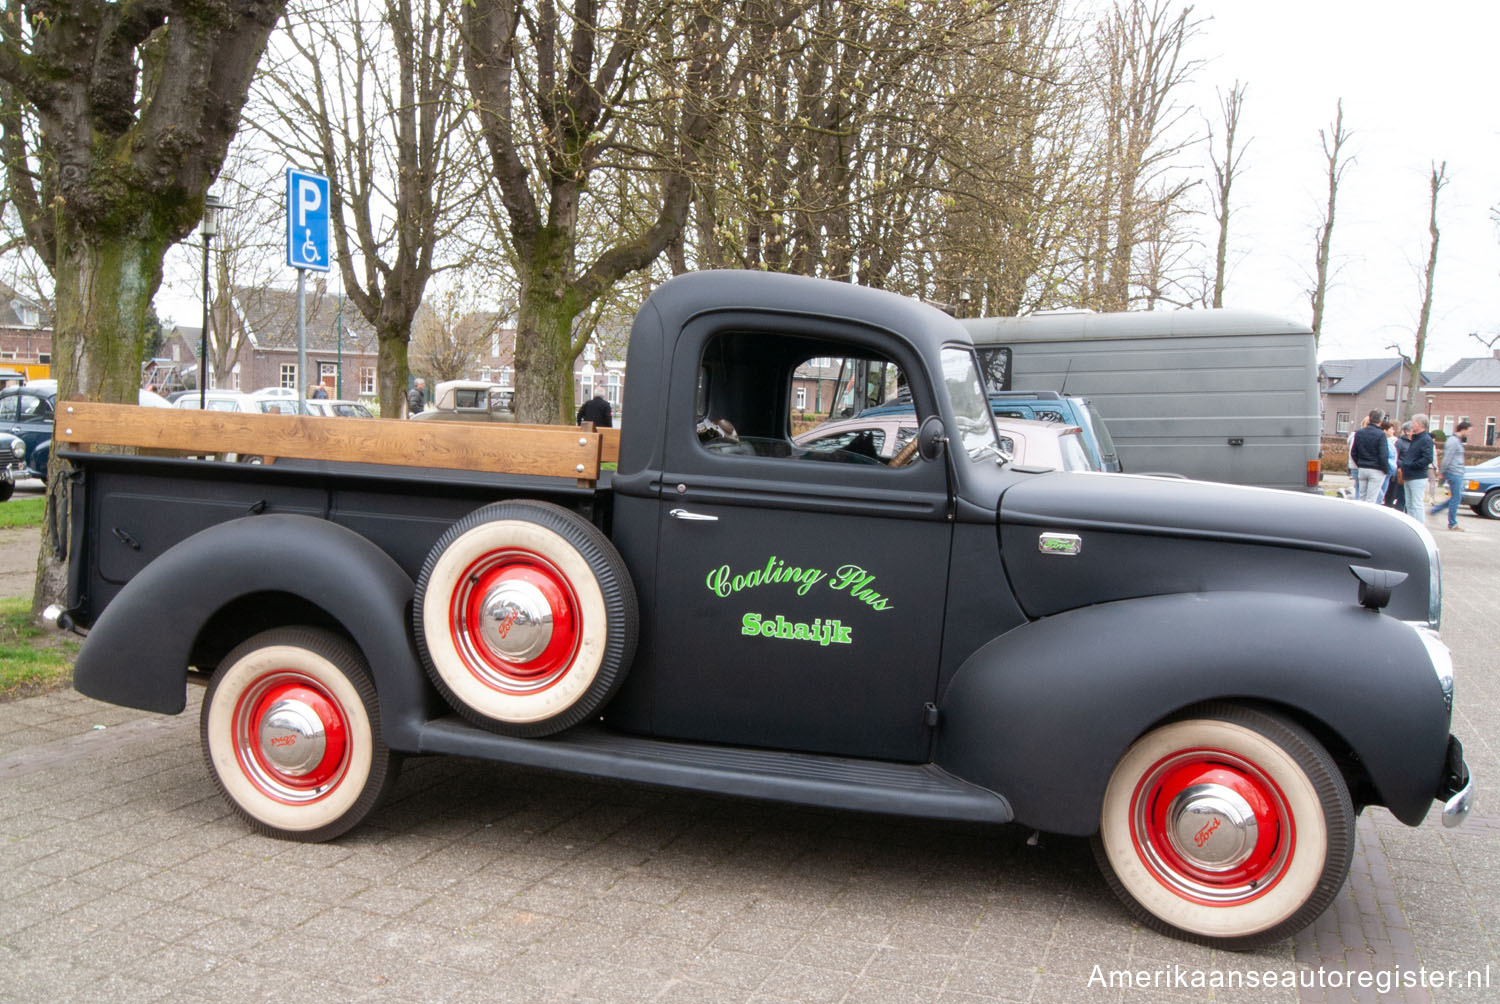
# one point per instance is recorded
(1212, 826)
(292, 738)
(516, 621)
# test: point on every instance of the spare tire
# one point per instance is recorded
(525, 618)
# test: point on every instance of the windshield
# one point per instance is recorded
(971, 406)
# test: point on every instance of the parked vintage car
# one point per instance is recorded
(12, 464)
(26, 412)
(1482, 488)
(332, 407)
(469, 401)
(1210, 681)
(217, 400)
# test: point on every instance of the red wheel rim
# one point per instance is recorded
(291, 737)
(1212, 826)
(514, 621)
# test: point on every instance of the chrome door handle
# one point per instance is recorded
(695, 516)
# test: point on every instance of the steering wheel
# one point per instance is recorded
(905, 455)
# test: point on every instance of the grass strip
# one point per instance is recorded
(32, 659)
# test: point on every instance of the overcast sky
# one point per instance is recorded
(1419, 85)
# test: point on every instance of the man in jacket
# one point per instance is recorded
(1453, 473)
(1371, 456)
(1416, 461)
(596, 410)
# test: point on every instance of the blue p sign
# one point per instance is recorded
(306, 220)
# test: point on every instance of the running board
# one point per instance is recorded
(802, 778)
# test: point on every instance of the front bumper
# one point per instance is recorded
(1457, 789)
(1471, 498)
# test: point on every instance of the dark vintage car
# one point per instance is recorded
(1209, 680)
(12, 464)
(1482, 488)
(27, 411)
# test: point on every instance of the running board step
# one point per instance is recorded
(801, 778)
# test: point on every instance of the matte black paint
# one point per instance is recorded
(138, 650)
(1144, 536)
(1257, 602)
(1044, 712)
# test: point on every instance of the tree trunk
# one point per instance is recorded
(104, 290)
(544, 361)
(392, 344)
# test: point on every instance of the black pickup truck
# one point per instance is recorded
(1210, 681)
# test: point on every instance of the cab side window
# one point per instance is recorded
(797, 398)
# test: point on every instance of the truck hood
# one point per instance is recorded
(1073, 539)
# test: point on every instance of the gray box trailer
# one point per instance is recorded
(1216, 395)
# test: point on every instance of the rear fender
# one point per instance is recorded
(138, 651)
(1042, 713)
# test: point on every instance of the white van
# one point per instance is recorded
(1217, 395)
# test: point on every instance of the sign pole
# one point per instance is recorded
(302, 340)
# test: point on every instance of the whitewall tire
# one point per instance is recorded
(525, 618)
(291, 733)
(1230, 827)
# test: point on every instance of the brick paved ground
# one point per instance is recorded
(123, 877)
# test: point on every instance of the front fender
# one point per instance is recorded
(137, 652)
(1042, 713)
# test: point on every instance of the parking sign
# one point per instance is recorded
(306, 220)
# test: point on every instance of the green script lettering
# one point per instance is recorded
(821, 632)
(856, 581)
(723, 582)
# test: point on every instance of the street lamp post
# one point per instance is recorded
(209, 228)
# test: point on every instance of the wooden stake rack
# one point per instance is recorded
(543, 450)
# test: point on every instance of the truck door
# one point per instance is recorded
(800, 589)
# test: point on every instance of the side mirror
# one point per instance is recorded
(932, 438)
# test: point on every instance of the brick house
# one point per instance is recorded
(1469, 390)
(1352, 388)
(25, 331)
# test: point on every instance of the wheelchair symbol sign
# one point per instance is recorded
(306, 220)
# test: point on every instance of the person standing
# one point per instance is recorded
(1370, 455)
(597, 410)
(1395, 496)
(416, 398)
(1416, 462)
(1453, 473)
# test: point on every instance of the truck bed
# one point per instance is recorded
(137, 507)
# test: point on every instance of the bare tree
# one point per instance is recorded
(247, 252)
(574, 101)
(114, 118)
(450, 336)
(1140, 65)
(376, 104)
(1436, 182)
(1333, 141)
(1225, 171)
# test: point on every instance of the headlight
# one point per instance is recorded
(1442, 660)
(18, 449)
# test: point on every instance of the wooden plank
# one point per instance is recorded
(549, 451)
(609, 448)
